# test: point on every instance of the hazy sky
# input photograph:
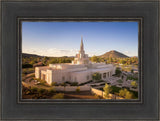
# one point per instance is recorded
(63, 38)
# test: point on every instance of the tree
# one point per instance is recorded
(34, 89)
(122, 61)
(63, 84)
(129, 95)
(122, 92)
(94, 59)
(102, 60)
(52, 90)
(78, 89)
(41, 90)
(54, 83)
(132, 71)
(134, 84)
(45, 60)
(107, 90)
(58, 96)
(53, 61)
(110, 60)
(118, 71)
(27, 65)
(126, 94)
(74, 84)
(96, 76)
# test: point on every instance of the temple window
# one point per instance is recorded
(75, 79)
(104, 75)
(108, 74)
(69, 77)
(63, 78)
(87, 77)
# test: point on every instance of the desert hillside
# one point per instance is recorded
(114, 54)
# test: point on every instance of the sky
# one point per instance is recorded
(56, 39)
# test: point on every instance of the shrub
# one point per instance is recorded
(129, 95)
(115, 89)
(27, 66)
(122, 92)
(132, 71)
(54, 83)
(27, 70)
(107, 90)
(78, 89)
(120, 81)
(30, 70)
(41, 90)
(32, 75)
(135, 94)
(126, 94)
(132, 78)
(97, 96)
(34, 89)
(63, 84)
(52, 90)
(67, 82)
(134, 84)
(58, 96)
(96, 76)
(42, 82)
(74, 84)
(30, 80)
(118, 71)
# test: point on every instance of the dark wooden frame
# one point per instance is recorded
(13, 108)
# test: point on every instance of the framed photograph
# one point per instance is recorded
(56, 71)
(85, 60)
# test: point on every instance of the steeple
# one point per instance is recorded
(81, 47)
(81, 57)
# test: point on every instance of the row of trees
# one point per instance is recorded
(29, 62)
(58, 60)
(123, 92)
(126, 61)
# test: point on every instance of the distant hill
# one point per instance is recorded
(26, 55)
(114, 54)
(30, 55)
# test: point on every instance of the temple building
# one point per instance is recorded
(80, 70)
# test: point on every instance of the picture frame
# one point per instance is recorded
(16, 109)
(139, 20)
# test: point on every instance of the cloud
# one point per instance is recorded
(52, 52)
(130, 53)
(126, 52)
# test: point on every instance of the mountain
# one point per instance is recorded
(27, 55)
(114, 54)
(30, 55)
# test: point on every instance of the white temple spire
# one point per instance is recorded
(81, 47)
(81, 57)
